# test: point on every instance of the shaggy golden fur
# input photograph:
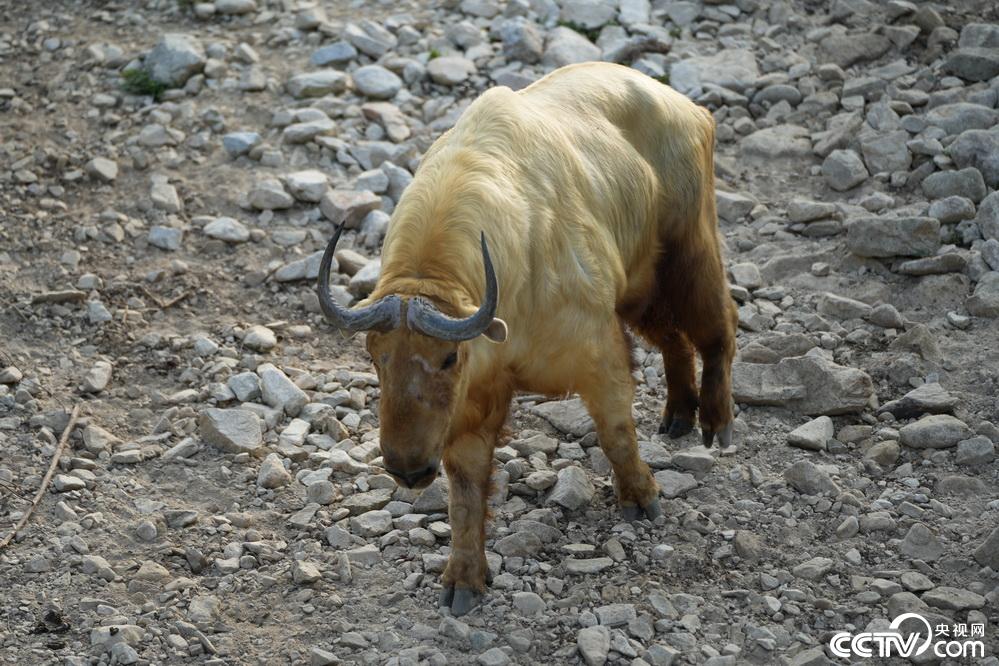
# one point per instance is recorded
(595, 189)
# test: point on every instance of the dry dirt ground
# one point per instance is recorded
(123, 294)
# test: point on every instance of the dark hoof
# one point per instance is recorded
(724, 436)
(459, 600)
(633, 512)
(665, 424)
(679, 428)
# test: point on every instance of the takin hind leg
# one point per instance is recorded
(608, 393)
(681, 384)
(709, 320)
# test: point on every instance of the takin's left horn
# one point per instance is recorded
(382, 315)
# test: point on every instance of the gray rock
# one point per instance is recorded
(952, 209)
(809, 384)
(843, 170)
(269, 194)
(988, 216)
(696, 459)
(348, 206)
(893, 236)
(522, 40)
(778, 142)
(102, 169)
(114, 634)
(813, 569)
(808, 479)
(307, 131)
(363, 282)
(593, 644)
(235, 7)
(305, 573)
(733, 206)
(231, 430)
(175, 58)
(272, 473)
(321, 492)
(952, 598)
(376, 82)
(306, 268)
(978, 149)
(984, 302)
(961, 116)
(12, 375)
(973, 63)
(528, 604)
(841, 307)
(735, 69)
(227, 229)
(434, 497)
(450, 70)
(164, 197)
(887, 152)
(990, 253)
(259, 338)
(566, 47)
(674, 484)
(967, 183)
(97, 378)
(369, 38)
(573, 489)
(812, 435)
(987, 553)
(308, 185)
(535, 444)
(929, 398)
(166, 238)
(803, 210)
(518, 544)
(279, 391)
(920, 544)
(935, 265)
(845, 49)
(975, 451)
(337, 53)
(983, 35)
(568, 416)
(588, 14)
(371, 523)
(935, 431)
(318, 83)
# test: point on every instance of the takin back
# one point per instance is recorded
(534, 234)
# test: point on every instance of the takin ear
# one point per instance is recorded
(496, 331)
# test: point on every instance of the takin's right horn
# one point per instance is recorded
(382, 315)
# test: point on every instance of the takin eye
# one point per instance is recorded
(449, 360)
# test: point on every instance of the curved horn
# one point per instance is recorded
(424, 317)
(382, 315)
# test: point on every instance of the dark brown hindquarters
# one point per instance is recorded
(688, 308)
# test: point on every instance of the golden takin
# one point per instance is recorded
(534, 232)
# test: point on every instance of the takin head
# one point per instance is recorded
(420, 354)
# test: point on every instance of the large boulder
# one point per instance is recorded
(735, 69)
(175, 58)
(809, 384)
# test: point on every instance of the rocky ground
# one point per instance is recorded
(169, 171)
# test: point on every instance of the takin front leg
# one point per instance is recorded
(608, 396)
(681, 384)
(468, 461)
